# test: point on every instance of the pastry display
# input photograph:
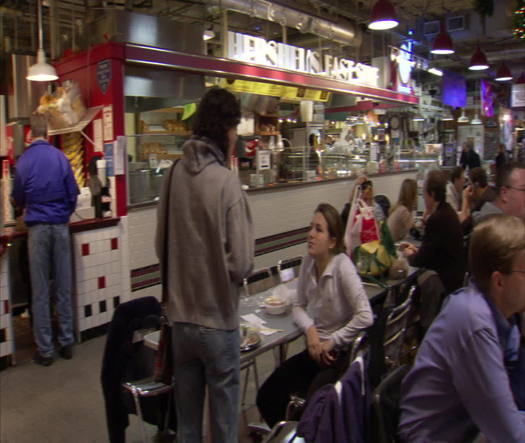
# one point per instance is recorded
(74, 151)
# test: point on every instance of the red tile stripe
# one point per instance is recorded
(85, 249)
(101, 282)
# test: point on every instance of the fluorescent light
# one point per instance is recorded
(463, 118)
(476, 120)
(436, 71)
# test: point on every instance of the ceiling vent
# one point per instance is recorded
(431, 28)
(457, 23)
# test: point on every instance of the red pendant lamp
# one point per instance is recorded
(478, 62)
(443, 42)
(504, 74)
(383, 16)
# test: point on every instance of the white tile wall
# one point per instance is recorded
(7, 347)
(102, 261)
(274, 211)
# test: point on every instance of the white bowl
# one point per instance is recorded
(274, 305)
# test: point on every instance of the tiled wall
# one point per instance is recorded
(6, 329)
(98, 270)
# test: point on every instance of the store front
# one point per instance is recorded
(141, 100)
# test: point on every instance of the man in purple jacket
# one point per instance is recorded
(46, 188)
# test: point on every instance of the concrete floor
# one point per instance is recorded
(63, 403)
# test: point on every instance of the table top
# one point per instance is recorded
(286, 328)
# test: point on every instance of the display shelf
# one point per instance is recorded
(79, 127)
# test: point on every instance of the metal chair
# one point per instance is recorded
(395, 329)
(385, 407)
(288, 268)
(296, 404)
(149, 388)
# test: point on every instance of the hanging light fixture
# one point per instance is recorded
(476, 120)
(478, 62)
(443, 42)
(383, 16)
(463, 118)
(208, 34)
(41, 71)
(418, 117)
(503, 74)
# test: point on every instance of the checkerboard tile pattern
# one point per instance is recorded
(98, 270)
(6, 329)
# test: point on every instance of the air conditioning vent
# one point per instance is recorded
(456, 23)
(431, 28)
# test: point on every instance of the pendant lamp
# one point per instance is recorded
(504, 74)
(442, 43)
(447, 117)
(383, 16)
(41, 71)
(463, 118)
(478, 62)
(476, 120)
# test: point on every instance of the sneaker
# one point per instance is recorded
(42, 361)
(66, 352)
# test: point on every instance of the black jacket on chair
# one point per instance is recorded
(118, 358)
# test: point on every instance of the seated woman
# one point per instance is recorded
(400, 220)
(366, 189)
(331, 307)
(442, 246)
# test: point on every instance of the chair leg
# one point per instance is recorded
(139, 413)
(245, 387)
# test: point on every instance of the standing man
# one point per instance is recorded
(464, 379)
(205, 243)
(46, 188)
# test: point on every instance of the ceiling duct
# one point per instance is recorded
(347, 34)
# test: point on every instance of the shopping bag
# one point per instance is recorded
(361, 226)
(374, 259)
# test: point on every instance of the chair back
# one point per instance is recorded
(259, 281)
(386, 407)
(395, 329)
(359, 346)
(288, 268)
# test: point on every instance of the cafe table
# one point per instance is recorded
(285, 329)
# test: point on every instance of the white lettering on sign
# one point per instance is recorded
(257, 50)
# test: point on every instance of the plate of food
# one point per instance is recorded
(250, 338)
(275, 305)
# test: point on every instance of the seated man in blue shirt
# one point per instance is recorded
(460, 385)
(46, 188)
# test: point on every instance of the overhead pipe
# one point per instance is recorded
(349, 34)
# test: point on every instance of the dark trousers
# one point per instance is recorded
(299, 375)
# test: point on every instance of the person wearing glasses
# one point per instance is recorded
(510, 187)
(467, 377)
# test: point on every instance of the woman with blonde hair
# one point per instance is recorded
(400, 220)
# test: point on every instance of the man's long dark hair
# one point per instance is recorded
(218, 112)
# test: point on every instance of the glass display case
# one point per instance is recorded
(150, 155)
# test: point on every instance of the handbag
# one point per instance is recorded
(163, 371)
(361, 226)
(374, 259)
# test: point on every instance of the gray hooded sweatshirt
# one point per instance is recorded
(210, 242)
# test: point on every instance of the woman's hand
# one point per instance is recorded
(327, 356)
(313, 343)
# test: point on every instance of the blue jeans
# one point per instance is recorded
(206, 357)
(50, 250)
